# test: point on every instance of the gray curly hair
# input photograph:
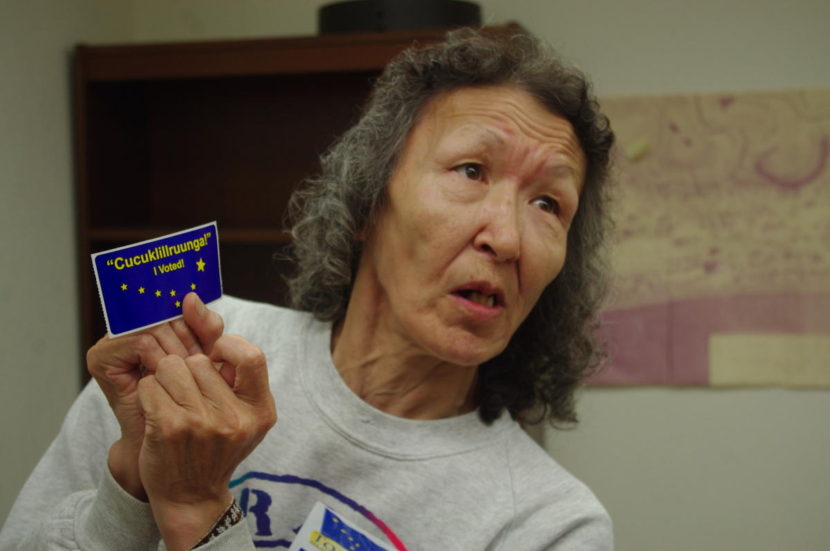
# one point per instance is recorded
(554, 349)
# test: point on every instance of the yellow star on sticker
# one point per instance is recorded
(193, 286)
(200, 265)
(158, 293)
(141, 290)
(178, 304)
(172, 292)
(123, 286)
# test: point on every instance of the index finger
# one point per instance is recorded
(206, 324)
(251, 368)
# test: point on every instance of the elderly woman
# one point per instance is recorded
(449, 269)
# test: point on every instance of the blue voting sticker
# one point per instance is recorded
(144, 284)
(324, 530)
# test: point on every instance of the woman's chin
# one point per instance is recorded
(468, 350)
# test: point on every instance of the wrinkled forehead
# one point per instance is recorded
(497, 116)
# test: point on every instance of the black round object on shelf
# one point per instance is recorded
(393, 15)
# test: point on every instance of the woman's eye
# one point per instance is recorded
(473, 171)
(547, 204)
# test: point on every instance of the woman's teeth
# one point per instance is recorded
(479, 298)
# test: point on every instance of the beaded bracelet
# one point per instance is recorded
(231, 517)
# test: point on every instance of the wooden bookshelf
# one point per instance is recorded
(168, 136)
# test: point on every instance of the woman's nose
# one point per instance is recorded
(500, 232)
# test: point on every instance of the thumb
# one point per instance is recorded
(206, 324)
(250, 381)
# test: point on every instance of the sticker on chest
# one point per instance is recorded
(324, 530)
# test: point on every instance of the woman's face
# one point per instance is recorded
(476, 223)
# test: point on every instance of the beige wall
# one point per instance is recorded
(700, 469)
(38, 295)
(706, 470)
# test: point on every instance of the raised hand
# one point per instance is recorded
(197, 430)
(118, 364)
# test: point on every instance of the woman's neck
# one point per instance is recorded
(397, 378)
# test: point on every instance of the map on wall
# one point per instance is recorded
(721, 252)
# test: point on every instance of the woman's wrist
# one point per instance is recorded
(185, 526)
(123, 465)
(231, 517)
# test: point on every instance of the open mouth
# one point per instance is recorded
(478, 297)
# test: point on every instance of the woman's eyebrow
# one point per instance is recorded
(485, 139)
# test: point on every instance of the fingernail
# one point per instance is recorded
(200, 306)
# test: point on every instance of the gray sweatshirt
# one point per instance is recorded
(450, 484)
